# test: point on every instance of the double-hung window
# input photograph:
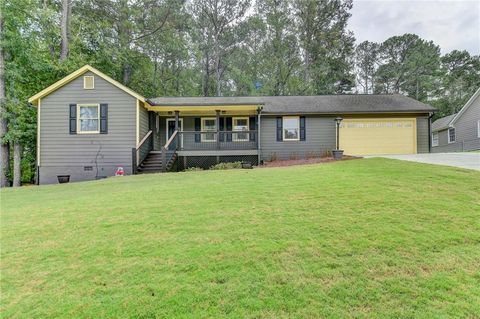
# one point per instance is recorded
(435, 139)
(88, 118)
(451, 135)
(291, 128)
(240, 124)
(209, 124)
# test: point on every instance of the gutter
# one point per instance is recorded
(430, 132)
(429, 111)
(152, 103)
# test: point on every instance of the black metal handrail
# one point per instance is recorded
(140, 152)
(217, 140)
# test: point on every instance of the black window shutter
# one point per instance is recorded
(103, 118)
(302, 128)
(229, 126)
(279, 129)
(252, 127)
(73, 119)
(221, 125)
(151, 121)
(197, 129)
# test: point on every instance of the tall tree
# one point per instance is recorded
(4, 149)
(246, 69)
(366, 63)
(281, 61)
(65, 28)
(409, 65)
(459, 79)
(326, 44)
(218, 23)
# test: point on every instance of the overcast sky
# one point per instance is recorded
(453, 24)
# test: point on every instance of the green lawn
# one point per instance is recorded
(371, 238)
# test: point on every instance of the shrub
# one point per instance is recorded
(232, 165)
(193, 169)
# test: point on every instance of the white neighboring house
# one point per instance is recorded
(458, 132)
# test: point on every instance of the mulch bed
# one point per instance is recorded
(306, 161)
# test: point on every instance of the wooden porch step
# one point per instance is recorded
(153, 162)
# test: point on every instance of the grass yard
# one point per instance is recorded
(371, 238)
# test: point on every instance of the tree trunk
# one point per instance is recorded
(4, 149)
(217, 68)
(66, 11)
(17, 167)
(127, 73)
(206, 76)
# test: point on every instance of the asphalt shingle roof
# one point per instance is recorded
(347, 103)
(442, 123)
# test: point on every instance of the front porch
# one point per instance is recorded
(207, 135)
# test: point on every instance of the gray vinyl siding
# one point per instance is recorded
(466, 132)
(444, 146)
(157, 142)
(144, 127)
(320, 139)
(63, 153)
(422, 135)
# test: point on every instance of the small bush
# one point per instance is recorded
(193, 169)
(232, 165)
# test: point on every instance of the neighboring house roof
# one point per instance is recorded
(448, 121)
(442, 123)
(466, 106)
(72, 76)
(347, 103)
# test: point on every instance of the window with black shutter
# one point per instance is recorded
(302, 128)
(197, 129)
(229, 126)
(103, 118)
(253, 127)
(279, 129)
(73, 119)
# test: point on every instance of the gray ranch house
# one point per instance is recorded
(458, 132)
(89, 125)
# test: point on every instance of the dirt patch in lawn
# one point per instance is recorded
(281, 163)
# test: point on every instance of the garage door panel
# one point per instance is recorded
(378, 136)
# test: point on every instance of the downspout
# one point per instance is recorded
(38, 141)
(259, 113)
(430, 132)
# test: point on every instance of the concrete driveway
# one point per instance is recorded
(469, 160)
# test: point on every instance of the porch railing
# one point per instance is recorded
(169, 150)
(140, 152)
(213, 140)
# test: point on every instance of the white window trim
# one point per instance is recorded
(478, 128)
(448, 135)
(85, 82)
(433, 139)
(202, 129)
(235, 136)
(79, 127)
(283, 128)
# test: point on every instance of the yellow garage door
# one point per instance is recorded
(378, 136)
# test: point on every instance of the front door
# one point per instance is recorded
(171, 129)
